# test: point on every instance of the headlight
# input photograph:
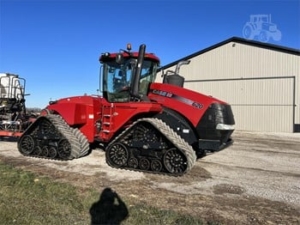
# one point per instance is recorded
(222, 126)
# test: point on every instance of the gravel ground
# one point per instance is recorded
(254, 181)
(264, 165)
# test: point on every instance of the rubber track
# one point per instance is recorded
(169, 134)
(79, 143)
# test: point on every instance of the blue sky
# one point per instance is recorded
(55, 44)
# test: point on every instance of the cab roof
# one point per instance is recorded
(111, 56)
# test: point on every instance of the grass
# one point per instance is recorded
(30, 199)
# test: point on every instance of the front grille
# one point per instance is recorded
(216, 114)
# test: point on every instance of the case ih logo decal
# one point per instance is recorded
(163, 93)
(178, 98)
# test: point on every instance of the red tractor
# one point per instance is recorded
(143, 126)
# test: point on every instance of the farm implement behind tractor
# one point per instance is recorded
(13, 117)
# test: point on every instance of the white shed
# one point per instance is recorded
(260, 81)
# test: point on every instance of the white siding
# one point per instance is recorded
(254, 109)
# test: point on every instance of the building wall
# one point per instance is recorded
(262, 85)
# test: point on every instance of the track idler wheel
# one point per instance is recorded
(174, 161)
(26, 145)
(117, 155)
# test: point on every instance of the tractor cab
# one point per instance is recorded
(126, 75)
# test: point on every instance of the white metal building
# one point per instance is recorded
(260, 81)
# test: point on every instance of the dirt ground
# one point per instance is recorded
(254, 181)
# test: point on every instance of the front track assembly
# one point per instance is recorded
(150, 145)
(51, 137)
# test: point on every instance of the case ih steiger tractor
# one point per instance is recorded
(13, 117)
(143, 126)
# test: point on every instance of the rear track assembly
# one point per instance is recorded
(51, 137)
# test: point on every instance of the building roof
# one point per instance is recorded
(242, 41)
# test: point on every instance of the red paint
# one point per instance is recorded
(5, 133)
(83, 112)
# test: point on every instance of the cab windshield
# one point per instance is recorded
(117, 79)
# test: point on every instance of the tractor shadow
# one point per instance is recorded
(109, 209)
